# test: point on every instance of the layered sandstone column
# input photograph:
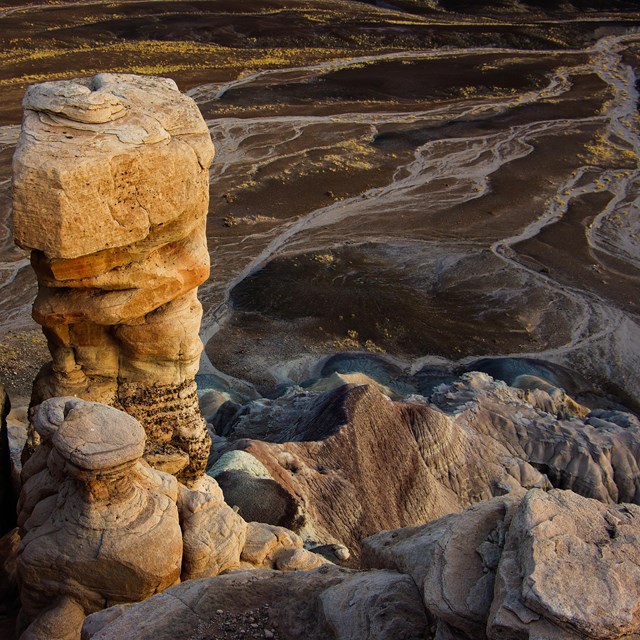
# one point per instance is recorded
(111, 190)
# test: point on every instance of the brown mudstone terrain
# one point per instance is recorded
(401, 404)
(323, 455)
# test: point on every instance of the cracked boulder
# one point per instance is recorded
(550, 565)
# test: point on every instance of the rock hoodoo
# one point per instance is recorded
(111, 196)
(98, 525)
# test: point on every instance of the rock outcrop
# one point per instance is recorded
(597, 455)
(570, 569)
(216, 539)
(111, 196)
(213, 533)
(453, 561)
(321, 460)
(98, 525)
(273, 547)
(329, 603)
(529, 565)
(550, 565)
(326, 455)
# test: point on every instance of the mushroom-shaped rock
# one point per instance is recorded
(99, 526)
(92, 436)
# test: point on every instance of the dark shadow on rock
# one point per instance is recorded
(259, 499)
(8, 498)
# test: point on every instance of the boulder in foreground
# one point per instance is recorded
(528, 566)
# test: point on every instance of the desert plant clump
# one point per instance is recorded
(602, 151)
(352, 342)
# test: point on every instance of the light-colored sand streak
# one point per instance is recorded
(468, 163)
(624, 124)
(217, 90)
(600, 327)
(246, 146)
(430, 163)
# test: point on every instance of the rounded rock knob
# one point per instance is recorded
(92, 436)
(75, 101)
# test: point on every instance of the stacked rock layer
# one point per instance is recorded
(111, 190)
(97, 525)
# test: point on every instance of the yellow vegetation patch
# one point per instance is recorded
(352, 343)
(234, 221)
(324, 258)
(603, 152)
(154, 57)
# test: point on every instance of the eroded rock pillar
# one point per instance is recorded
(111, 191)
(98, 526)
